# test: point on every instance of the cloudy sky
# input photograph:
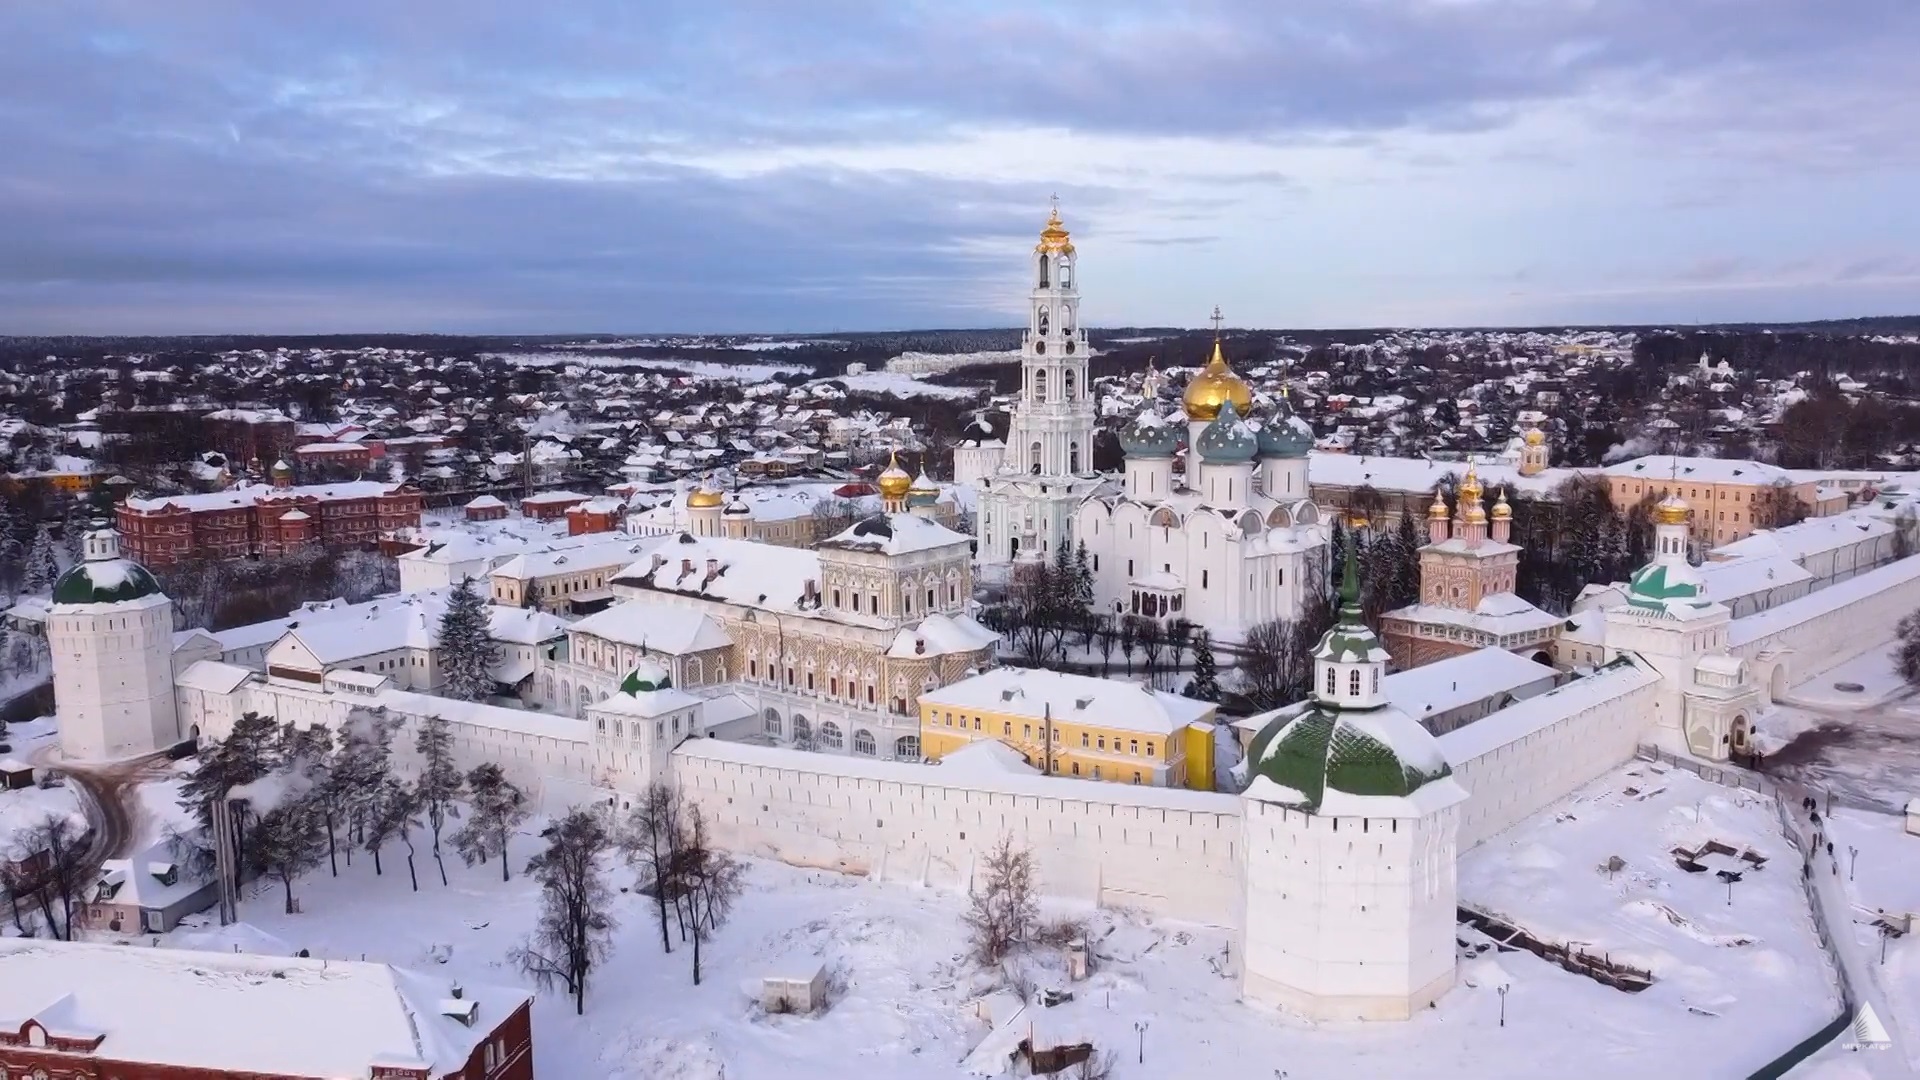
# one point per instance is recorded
(817, 165)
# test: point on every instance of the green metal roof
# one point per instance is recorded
(104, 581)
(1318, 751)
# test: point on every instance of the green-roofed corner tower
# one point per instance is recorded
(110, 631)
(1350, 830)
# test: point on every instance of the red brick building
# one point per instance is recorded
(345, 457)
(74, 1009)
(601, 515)
(548, 505)
(262, 520)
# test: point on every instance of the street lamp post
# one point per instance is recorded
(1503, 988)
(1140, 1029)
(1853, 856)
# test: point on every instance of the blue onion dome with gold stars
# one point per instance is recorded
(1149, 436)
(1228, 439)
(1284, 435)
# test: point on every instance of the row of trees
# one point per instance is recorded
(300, 796)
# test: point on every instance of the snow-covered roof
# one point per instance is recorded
(667, 628)
(1421, 474)
(1699, 470)
(1728, 581)
(1807, 538)
(1832, 598)
(1080, 699)
(1448, 684)
(939, 635)
(212, 676)
(239, 1013)
(747, 573)
(895, 534)
(407, 621)
(254, 493)
(609, 552)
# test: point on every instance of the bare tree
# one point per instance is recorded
(710, 879)
(53, 874)
(1003, 903)
(650, 844)
(575, 929)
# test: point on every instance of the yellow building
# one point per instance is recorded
(1075, 725)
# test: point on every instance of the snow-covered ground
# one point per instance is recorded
(1885, 876)
(903, 1007)
(703, 369)
(903, 386)
(1864, 746)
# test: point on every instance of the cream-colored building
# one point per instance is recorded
(568, 580)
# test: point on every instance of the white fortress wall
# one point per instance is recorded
(1166, 851)
(1518, 761)
(1824, 629)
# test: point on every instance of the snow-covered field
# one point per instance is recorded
(702, 369)
(904, 386)
(903, 1004)
(1885, 876)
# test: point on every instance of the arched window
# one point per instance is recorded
(907, 748)
(1066, 319)
(773, 722)
(1073, 456)
(1353, 682)
(1067, 387)
(1045, 321)
(802, 731)
(1033, 455)
(586, 697)
(1040, 386)
(830, 736)
(1043, 271)
(1066, 274)
(1330, 682)
(863, 742)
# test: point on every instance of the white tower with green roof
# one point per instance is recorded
(1350, 823)
(111, 634)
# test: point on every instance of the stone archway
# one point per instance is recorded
(1777, 681)
(1740, 736)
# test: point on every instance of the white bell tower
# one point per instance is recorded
(1026, 506)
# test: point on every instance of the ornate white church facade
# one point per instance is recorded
(1235, 541)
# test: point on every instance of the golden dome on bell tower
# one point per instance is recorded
(703, 498)
(1054, 237)
(1213, 387)
(1471, 508)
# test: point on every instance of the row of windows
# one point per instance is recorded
(792, 680)
(1088, 740)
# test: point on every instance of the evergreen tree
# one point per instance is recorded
(1907, 658)
(361, 769)
(287, 841)
(11, 553)
(43, 566)
(499, 808)
(467, 651)
(73, 530)
(440, 783)
(1406, 585)
(393, 809)
(1082, 577)
(250, 751)
(1206, 678)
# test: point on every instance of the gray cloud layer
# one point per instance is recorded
(223, 164)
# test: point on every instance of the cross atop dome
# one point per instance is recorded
(1217, 320)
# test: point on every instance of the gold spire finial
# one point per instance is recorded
(1217, 320)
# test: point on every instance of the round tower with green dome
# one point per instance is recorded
(1350, 819)
(110, 631)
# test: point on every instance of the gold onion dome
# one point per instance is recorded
(1215, 386)
(701, 498)
(1535, 436)
(1054, 238)
(1501, 511)
(1470, 491)
(1438, 511)
(894, 482)
(1672, 510)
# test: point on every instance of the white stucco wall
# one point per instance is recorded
(1170, 852)
(1829, 627)
(1524, 758)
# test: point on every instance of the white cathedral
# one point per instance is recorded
(1231, 542)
